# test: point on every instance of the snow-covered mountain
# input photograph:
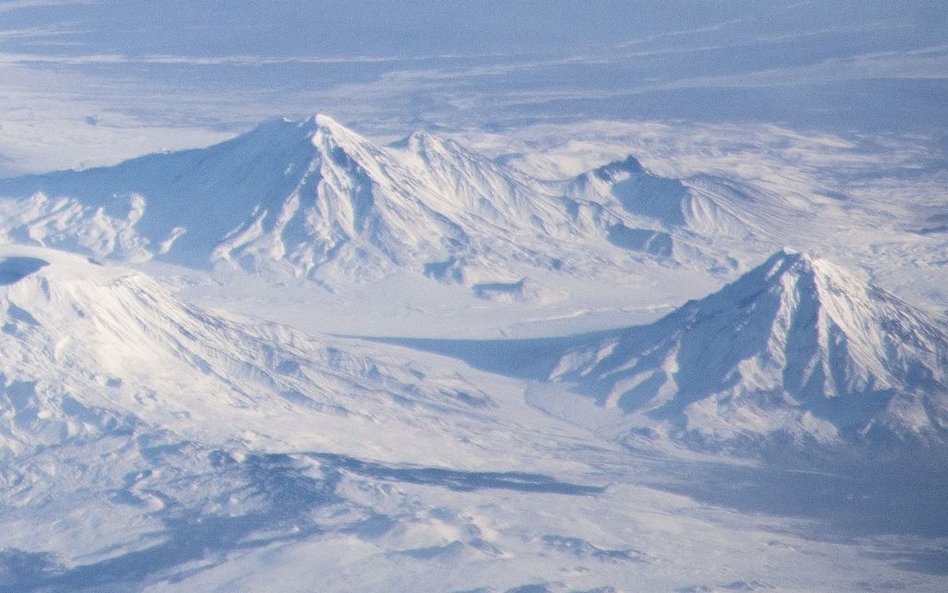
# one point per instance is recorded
(704, 207)
(145, 444)
(797, 351)
(89, 347)
(150, 445)
(168, 435)
(313, 198)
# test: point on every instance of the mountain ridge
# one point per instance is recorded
(315, 199)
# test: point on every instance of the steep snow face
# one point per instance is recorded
(796, 347)
(313, 198)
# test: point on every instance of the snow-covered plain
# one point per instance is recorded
(564, 297)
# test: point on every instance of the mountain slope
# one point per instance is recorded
(85, 345)
(795, 349)
(168, 436)
(667, 204)
(178, 202)
(315, 199)
(145, 443)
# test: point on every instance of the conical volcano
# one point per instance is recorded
(796, 347)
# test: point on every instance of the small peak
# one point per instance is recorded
(786, 260)
(421, 141)
(324, 121)
(609, 171)
(415, 141)
(419, 136)
(788, 263)
(338, 133)
(432, 138)
(805, 260)
(787, 255)
(426, 146)
(418, 139)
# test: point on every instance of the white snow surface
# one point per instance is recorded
(795, 352)
(82, 338)
(414, 367)
(152, 446)
(315, 199)
(654, 299)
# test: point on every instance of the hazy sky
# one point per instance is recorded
(176, 72)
